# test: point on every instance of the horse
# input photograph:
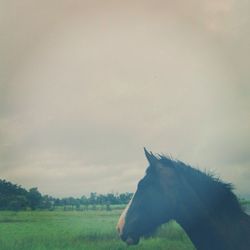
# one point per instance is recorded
(204, 206)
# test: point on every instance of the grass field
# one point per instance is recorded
(78, 230)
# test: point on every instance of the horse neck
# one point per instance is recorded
(220, 227)
(225, 232)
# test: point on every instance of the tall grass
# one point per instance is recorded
(44, 230)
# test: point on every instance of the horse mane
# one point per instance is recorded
(216, 194)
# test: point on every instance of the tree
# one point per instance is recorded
(12, 196)
(47, 202)
(93, 198)
(34, 198)
(19, 203)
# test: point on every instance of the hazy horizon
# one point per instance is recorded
(85, 85)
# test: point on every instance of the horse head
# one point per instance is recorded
(157, 199)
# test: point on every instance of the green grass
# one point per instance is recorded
(42, 230)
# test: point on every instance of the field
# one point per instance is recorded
(47, 230)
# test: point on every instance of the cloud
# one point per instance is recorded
(84, 89)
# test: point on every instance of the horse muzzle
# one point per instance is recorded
(130, 240)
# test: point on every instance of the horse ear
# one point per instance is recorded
(150, 157)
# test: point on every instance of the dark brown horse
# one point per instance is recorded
(204, 206)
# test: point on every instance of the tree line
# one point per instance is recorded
(14, 197)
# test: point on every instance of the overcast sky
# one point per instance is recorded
(85, 85)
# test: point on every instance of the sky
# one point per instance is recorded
(85, 85)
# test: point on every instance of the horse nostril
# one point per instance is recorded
(130, 241)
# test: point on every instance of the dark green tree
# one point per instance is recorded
(34, 198)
